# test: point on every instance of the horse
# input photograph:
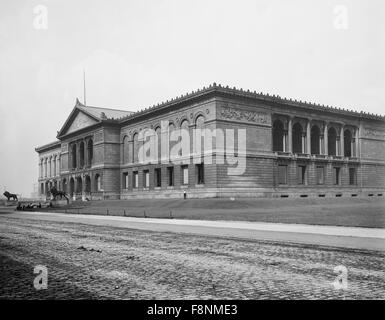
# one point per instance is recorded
(56, 193)
(10, 195)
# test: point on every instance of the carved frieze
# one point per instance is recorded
(231, 113)
(374, 134)
(98, 136)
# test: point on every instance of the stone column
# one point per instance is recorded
(303, 140)
(54, 166)
(58, 165)
(355, 143)
(321, 143)
(342, 141)
(308, 137)
(326, 151)
(86, 153)
(338, 144)
(77, 155)
(290, 135)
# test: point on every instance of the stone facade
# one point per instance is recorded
(292, 148)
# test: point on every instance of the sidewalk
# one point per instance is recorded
(347, 237)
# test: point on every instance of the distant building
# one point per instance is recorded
(35, 191)
(293, 148)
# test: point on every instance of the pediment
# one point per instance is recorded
(77, 120)
(80, 121)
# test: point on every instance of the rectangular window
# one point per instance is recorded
(146, 179)
(170, 174)
(185, 174)
(282, 174)
(352, 176)
(200, 173)
(135, 179)
(125, 180)
(336, 175)
(301, 174)
(158, 178)
(320, 175)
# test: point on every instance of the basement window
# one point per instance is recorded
(135, 179)
(282, 174)
(200, 173)
(170, 174)
(302, 175)
(320, 175)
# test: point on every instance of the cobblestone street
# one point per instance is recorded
(95, 262)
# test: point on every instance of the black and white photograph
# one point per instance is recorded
(192, 155)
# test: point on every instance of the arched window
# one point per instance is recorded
(297, 138)
(72, 186)
(158, 132)
(45, 167)
(50, 167)
(98, 182)
(184, 126)
(79, 185)
(126, 151)
(171, 128)
(198, 136)
(332, 139)
(41, 169)
(278, 135)
(64, 185)
(315, 136)
(73, 156)
(54, 166)
(81, 155)
(87, 184)
(90, 151)
(199, 122)
(135, 155)
(42, 188)
(348, 143)
(58, 165)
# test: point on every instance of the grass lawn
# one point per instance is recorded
(357, 212)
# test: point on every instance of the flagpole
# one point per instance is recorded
(84, 87)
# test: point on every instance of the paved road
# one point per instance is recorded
(345, 237)
(87, 260)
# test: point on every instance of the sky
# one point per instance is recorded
(139, 53)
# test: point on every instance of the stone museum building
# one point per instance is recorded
(292, 149)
